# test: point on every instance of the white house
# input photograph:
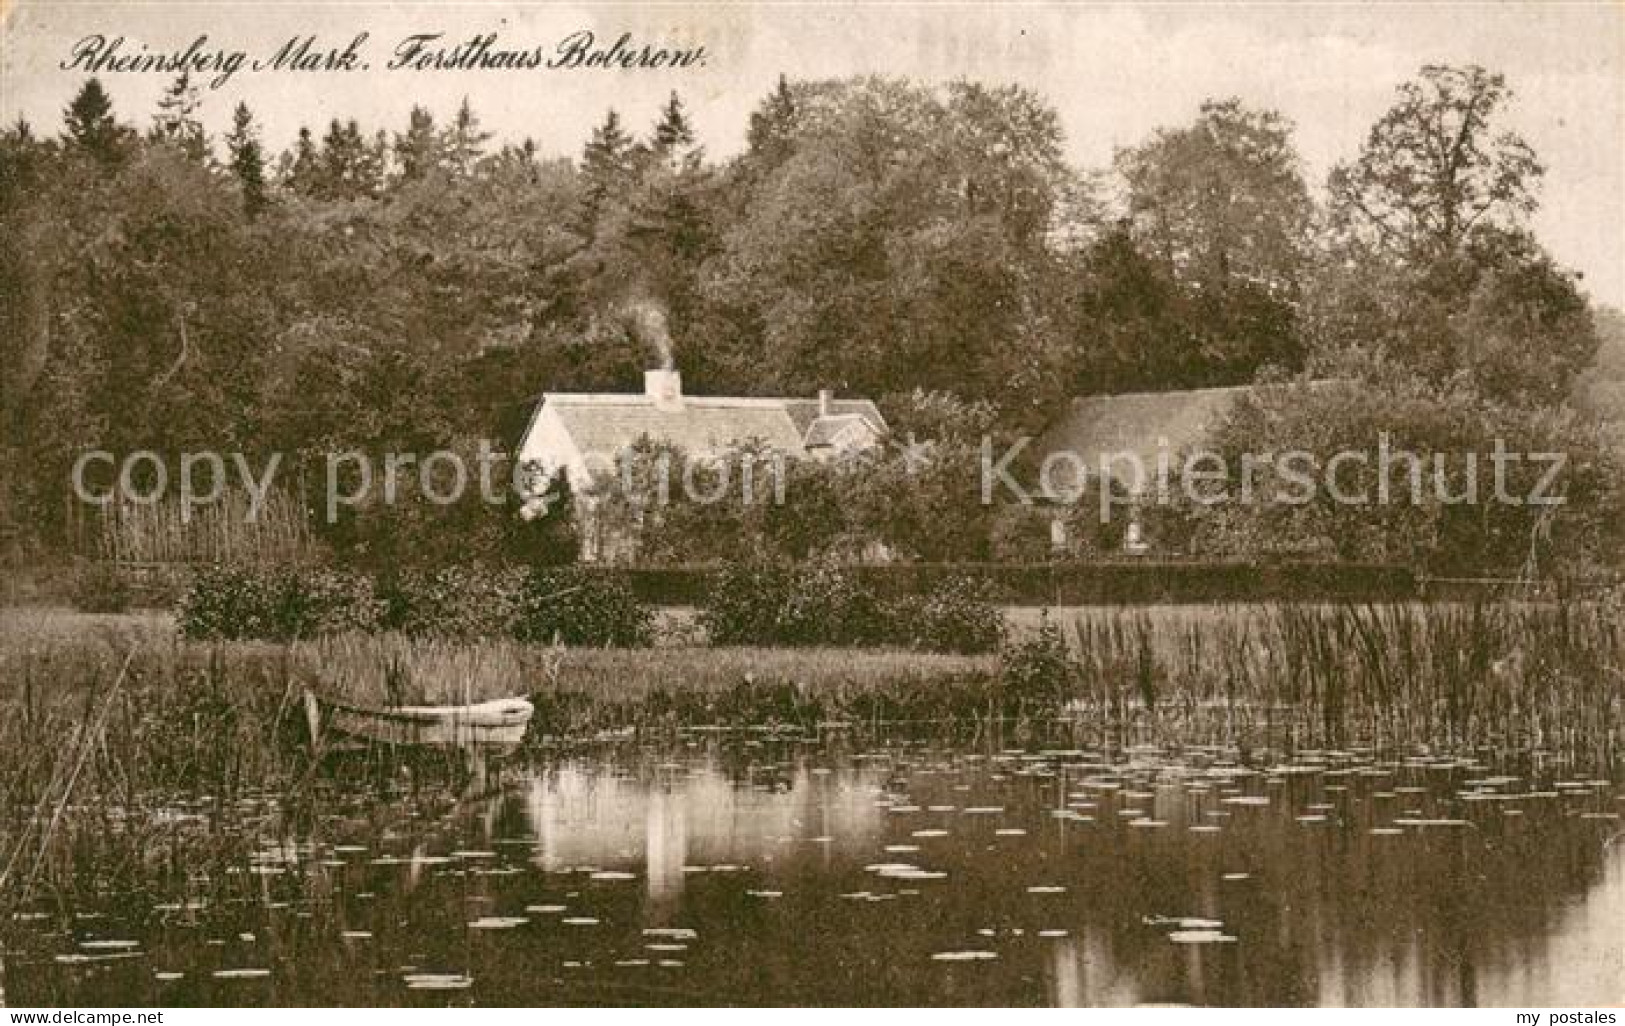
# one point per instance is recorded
(583, 435)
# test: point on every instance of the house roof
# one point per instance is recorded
(805, 411)
(827, 430)
(1137, 425)
(608, 422)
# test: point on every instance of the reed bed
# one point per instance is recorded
(1517, 677)
(219, 532)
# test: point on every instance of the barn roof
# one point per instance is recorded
(1138, 424)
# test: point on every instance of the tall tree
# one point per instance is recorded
(1223, 199)
(247, 159)
(177, 122)
(349, 167)
(1430, 262)
(607, 160)
(1434, 167)
(465, 141)
(90, 124)
(419, 151)
(300, 169)
(770, 137)
(903, 238)
(674, 136)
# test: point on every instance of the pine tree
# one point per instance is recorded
(348, 167)
(419, 152)
(770, 138)
(375, 164)
(90, 125)
(607, 159)
(465, 141)
(674, 135)
(176, 121)
(300, 169)
(247, 159)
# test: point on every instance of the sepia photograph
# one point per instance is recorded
(811, 505)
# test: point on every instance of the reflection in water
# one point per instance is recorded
(775, 872)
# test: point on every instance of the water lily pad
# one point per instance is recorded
(438, 981)
(1200, 937)
(964, 956)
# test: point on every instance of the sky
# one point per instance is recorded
(1115, 73)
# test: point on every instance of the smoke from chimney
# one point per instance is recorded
(646, 319)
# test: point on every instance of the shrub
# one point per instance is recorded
(1039, 670)
(100, 588)
(577, 607)
(764, 604)
(826, 605)
(330, 602)
(958, 615)
(276, 603)
(454, 602)
(744, 602)
(228, 602)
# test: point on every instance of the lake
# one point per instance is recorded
(741, 868)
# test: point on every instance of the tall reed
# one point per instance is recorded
(219, 532)
(1534, 678)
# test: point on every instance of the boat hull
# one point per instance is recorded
(493, 728)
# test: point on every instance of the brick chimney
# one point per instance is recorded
(664, 388)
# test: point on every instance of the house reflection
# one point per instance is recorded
(677, 821)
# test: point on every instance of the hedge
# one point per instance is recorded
(1074, 584)
(543, 605)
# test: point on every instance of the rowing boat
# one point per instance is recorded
(488, 728)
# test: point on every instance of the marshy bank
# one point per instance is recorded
(157, 790)
(132, 708)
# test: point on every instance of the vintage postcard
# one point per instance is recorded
(890, 504)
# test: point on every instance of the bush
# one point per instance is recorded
(576, 607)
(824, 604)
(100, 588)
(330, 602)
(744, 602)
(764, 604)
(454, 602)
(228, 602)
(957, 615)
(1040, 670)
(276, 603)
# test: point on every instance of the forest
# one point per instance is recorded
(415, 287)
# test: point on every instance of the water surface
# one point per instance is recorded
(724, 869)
